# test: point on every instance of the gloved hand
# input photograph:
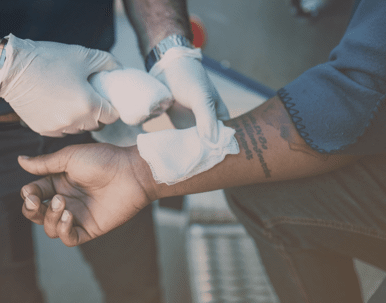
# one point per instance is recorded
(46, 83)
(180, 69)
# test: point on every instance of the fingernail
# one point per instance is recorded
(24, 157)
(65, 216)
(56, 203)
(29, 204)
(25, 193)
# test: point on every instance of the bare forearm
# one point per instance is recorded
(154, 20)
(270, 150)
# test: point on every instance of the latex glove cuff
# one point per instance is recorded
(172, 55)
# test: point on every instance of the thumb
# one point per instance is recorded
(101, 61)
(206, 121)
(107, 112)
(222, 111)
(47, 164)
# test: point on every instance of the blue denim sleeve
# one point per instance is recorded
(339, 106)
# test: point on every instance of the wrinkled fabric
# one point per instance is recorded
(339, 106)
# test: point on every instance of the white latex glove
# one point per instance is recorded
(46, 83)
(118, 134)
(180, 69)
(136, 95)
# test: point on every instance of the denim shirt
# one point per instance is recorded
(339, 106)
(83, 22)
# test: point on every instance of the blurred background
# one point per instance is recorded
(269, 42)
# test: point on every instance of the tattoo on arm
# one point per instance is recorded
(281, 121)
(253, 131)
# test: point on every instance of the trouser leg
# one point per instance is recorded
(380, 295)
(125, 261)
(18, 283)
(308, 230)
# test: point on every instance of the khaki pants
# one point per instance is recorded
(309, 230)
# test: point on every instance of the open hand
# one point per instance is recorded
(91, 189)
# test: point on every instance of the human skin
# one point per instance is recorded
(97, 187)
(154, 20)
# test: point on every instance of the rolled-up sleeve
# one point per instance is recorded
(339, 106)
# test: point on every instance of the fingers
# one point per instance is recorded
(53, 215)
(100, 126)
(222, 111)
(99, 61)
(47, 164)
(34, 194)
(53, 134)
(58, 222)
(43, 189)
(107, 112)
(206, 121)
(33, 209)
(69, 234)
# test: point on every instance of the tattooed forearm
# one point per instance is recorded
(261, 140)
(251, 130)
(276, 115)
(243, 141)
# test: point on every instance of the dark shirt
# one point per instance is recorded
(339, 106)
(84, 22)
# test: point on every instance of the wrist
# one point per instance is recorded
(144, 177)
(159, 50)
(142, 173)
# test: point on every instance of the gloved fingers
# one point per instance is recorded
(54, 134)
(107, 113)
(72, 131)
(53, 215)
(95, 110)
(33, 209)
(206, 120)
(93, 126)
(100, 126)
(222, 111)
(101, 61)
(220, 107)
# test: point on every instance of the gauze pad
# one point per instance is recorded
(135, 94)
(176, 155)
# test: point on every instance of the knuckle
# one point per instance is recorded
(27, 213)
(51, 234)
(66, 237)
(69, 243)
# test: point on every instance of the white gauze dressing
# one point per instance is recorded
(173, 155)
(178, 154)
(135, 94)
